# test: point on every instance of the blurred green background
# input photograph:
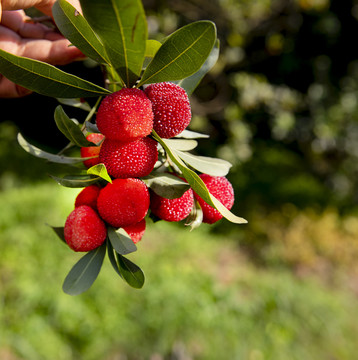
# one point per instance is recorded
(281, 104)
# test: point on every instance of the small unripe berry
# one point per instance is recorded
(125, 115)
(136, 231)
(124, 202)
(84, 230)
(129, 159)
(92, 150)
(88, 196)
(171, 108)
(172, 209)
(221, 188)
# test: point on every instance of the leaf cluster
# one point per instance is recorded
(114, 34)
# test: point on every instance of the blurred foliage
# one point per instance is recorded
(281, 103)
(195, 302)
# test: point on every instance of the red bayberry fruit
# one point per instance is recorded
(92, 150)
(172, 209)
(125, 115)
(124, 202)
(88, 196)
(129, 159)
(221, 188)
(136, 231)
(171, 108)
(84, 229)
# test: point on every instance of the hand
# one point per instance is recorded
(20, 36)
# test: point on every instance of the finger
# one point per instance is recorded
(17, 21)
(45, 5)
(10, 90)
(58, 52)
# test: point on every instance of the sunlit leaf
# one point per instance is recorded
(182, 54)
(77, 103)
(122, 27)
(101, 171)
(188, 134)
(46, 79)
(204, 164)
(75, 28)
(195, 218)
(84, 272)
(183, 145)
(70, 129)
(76, 181)
(35, 151)
(166, 185)
(190, 83)
(121, 241)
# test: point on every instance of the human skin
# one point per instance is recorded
(23, 37)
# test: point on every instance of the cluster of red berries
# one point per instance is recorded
(125, 120)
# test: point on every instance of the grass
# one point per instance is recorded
(202, 298)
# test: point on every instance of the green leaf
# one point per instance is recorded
(122, 27)
(190, 83)
(77, 103)
(35, 151)
(166, 185)
(130, 272)
(121, 241)
(70, 129)
(84, 272)
(46, 79)
(76, 181)
(59, 231)
(197, 184)
(184, 145)
(195, 218)
(111, 257)
(187, 134)
(75, 28)
(151, 48)
(101, 171)
(182, 54)
(204, 164)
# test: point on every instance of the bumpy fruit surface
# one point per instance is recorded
(171, 108)
(172, 209)
(92, 150)
(84, 230)
(221, 188)
(136, 231)
(129, 159)
(125, 115)
(88, 196)
(124, 202)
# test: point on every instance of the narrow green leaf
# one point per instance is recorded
(151, 48)
(166, 185)
(190, 83)
(59, 231)
(75, 28)
(77, 103)
(101, 171)
(70, 129)
(122, 27)
(195, 218)
(182, 54)
(111, 257)
(197, 184)
(46, 79)
(84, 272)
(187, 134)
(76, 181)
(204, 164)
(121, 241)
(35, 151)
(183, 145)
(130, 272)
